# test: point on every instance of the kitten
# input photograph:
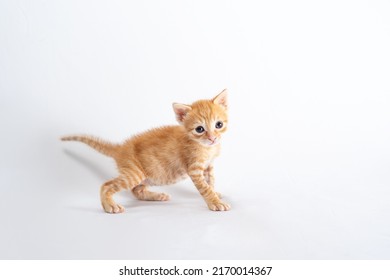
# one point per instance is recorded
(165, 155)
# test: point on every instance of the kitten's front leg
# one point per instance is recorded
(196, 172)
(209, 176)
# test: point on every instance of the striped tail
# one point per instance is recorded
(98, 144)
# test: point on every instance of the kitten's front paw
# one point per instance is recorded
(219, 206)
(113, 208)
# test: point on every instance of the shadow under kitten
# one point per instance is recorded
(95, 169)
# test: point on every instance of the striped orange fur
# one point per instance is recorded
(165, 155)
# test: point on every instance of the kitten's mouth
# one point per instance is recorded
(208, 142)
(212, 143)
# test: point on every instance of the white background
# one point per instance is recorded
(305, 164)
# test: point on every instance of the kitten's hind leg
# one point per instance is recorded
(141, 192)
(107, 191)
(127, 180)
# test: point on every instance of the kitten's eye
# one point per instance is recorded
(199, 129)
(219, 125)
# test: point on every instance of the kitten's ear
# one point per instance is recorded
(221, 99)
(181, 111)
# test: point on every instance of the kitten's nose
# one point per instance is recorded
(212, 138)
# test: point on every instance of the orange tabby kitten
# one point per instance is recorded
(165, 155)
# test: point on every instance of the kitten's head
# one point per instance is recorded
(204, 120)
